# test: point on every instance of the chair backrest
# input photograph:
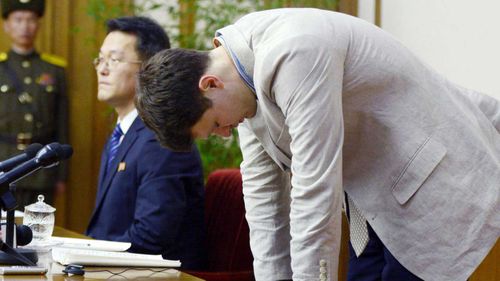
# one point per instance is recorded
(228, 246)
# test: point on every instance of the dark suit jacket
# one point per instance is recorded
(153, 198)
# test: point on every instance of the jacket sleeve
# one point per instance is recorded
(168, 184)
(488, 105)
(266, 190)
(304, 76)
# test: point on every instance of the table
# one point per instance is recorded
(487, 271)
(92, 274)
(168, 276)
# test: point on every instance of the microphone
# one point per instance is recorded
(24, 235)
(47, 157)
(12, 162)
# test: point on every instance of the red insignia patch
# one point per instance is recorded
(46, 79)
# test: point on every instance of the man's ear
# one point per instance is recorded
(210, 81)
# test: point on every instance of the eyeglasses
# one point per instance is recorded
(111, 62)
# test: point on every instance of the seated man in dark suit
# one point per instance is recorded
(147, 195)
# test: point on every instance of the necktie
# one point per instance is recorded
(358, 228)
(114, 143)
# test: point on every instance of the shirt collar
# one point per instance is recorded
(244, 65)
(127, 121)
(30, 55)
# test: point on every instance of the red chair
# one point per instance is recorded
(227, 240)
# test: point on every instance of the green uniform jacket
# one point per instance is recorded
(33, 109)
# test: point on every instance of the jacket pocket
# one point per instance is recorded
(418, 169)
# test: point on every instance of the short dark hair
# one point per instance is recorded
(151, 37)
(168, 98)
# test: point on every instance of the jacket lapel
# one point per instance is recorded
(128, 140)
(258, 124)
(102, 169)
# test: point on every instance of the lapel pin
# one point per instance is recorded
(121, 166)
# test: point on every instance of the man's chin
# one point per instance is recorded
(26, 44)
(103, 96)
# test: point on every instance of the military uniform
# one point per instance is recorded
(33, 109)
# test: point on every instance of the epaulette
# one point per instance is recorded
(53, 59)
(3, 56)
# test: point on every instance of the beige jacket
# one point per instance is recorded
(343, 106)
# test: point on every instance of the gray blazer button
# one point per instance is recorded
(322, 263)
(322, 270)
(322, 277)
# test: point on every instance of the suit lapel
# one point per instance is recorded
(102, 169)
(258, 123)
(128, 140)
(100, 189)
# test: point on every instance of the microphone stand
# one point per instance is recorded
(10, 224)
(48, 156)
(12, 255)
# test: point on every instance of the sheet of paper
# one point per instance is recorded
(90, 244)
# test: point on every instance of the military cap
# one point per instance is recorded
(8, 6)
